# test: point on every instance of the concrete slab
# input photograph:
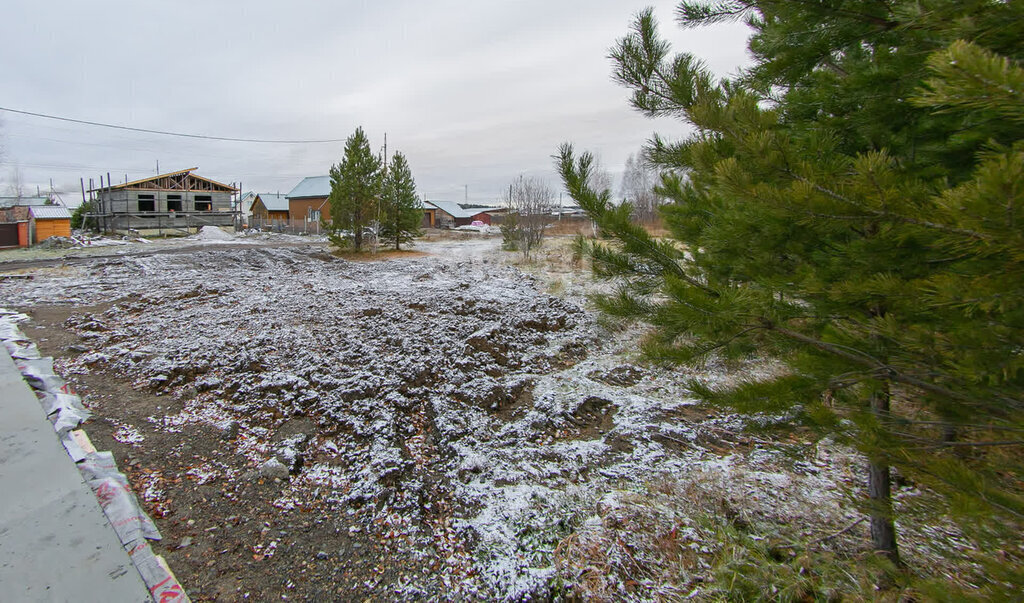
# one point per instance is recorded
(55, 541)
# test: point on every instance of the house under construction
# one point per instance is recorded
(164, 204)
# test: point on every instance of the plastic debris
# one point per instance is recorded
(99, 470)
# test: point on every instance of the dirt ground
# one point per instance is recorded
(427, 427)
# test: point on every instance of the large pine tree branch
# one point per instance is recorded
(885, 213)
(866, 360)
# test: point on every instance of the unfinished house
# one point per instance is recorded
(174, 203)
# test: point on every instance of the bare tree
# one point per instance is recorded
(638, 189)
(15, 186)
(530, 202)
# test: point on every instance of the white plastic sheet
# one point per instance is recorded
(99, 470)
(25, 350)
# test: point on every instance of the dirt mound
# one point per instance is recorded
(212, 233)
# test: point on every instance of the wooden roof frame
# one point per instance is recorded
(171, 181)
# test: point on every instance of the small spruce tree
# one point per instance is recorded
(401, 213)
(355, 188)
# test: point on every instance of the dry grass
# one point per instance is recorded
(687, 540)
(570, 226)
(380, 256)
(585, 227)
(443, 234)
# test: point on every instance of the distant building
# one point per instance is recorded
(14, 223)
(48, 221)
(25, 221)
(245, 205)
(308, 200)
(180, 201)
(270, 206)
(448, 214)
(429, 216)
(24, 201)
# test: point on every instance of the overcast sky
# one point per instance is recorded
(474, 93)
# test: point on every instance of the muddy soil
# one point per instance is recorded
(305, 427)
(224, 538)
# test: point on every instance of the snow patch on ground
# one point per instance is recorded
(478, 415)
(212, 233)
(126, 434)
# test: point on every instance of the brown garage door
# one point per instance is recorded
(8, 235)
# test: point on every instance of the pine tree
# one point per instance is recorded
(401, 213)
(851, 205)
(355, 188)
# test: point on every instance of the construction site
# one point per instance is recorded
(442, 425)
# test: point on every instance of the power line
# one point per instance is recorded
(165, 133)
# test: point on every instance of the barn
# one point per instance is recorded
(173, 202)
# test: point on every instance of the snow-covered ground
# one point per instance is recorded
(481, 416)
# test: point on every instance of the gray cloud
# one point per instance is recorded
(473, 93)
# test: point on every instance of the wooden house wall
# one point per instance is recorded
(298, 209)
(44, 229)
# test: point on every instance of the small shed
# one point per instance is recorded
(49, 221)
(14, 230)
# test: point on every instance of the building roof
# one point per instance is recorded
(311, 186)
(274, 201)
(23, 201)
(455, 210)
(50, 212)
(155, 185)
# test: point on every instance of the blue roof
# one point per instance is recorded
(311, 186)
(455, 210)
(274, 201)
